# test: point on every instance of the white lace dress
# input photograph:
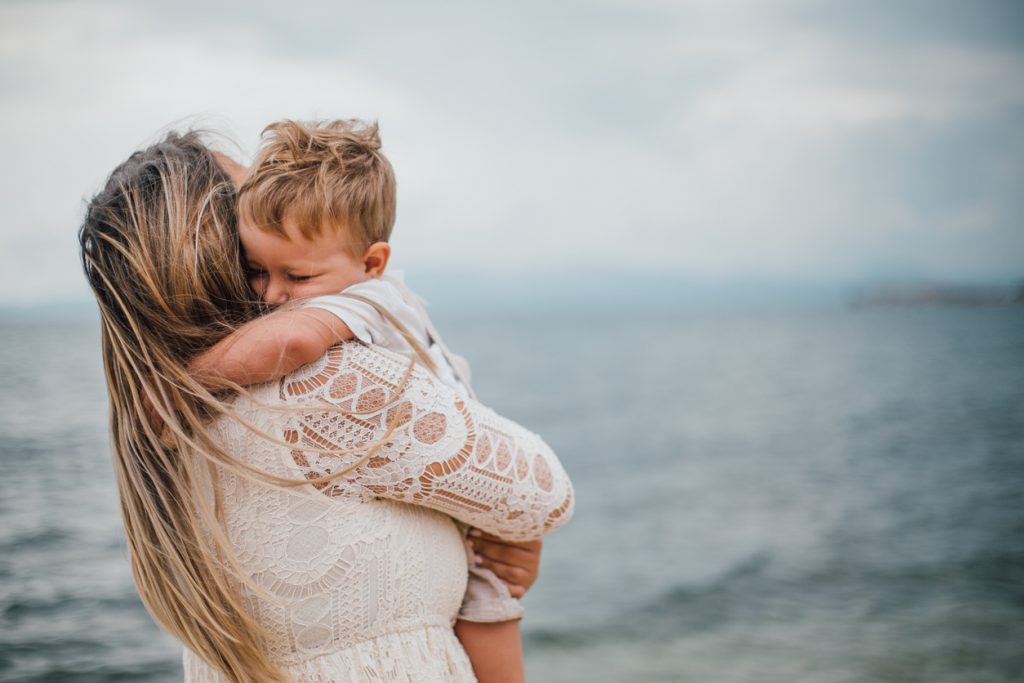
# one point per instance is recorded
(361, 578)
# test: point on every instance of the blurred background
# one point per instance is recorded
(754, 269)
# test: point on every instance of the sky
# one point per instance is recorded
(725, 141)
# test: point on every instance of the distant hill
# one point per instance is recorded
(938, 294)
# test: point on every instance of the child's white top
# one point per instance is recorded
(390, 293)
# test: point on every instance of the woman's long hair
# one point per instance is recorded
(160, 252)
(160, 249)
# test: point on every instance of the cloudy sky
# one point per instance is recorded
(724, 140)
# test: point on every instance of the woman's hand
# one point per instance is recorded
(516, 564)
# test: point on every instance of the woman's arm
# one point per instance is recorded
(445, 452)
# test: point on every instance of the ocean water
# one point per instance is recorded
(819, 496)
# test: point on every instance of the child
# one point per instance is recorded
(315, 215)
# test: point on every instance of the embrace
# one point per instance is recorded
(310, 490)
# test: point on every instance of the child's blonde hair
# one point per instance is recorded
(323, 174)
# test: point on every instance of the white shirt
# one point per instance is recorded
(369, 326)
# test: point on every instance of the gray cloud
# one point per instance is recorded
(723, 140)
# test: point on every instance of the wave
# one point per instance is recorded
(675, 611)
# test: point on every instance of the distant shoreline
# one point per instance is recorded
(940, 295)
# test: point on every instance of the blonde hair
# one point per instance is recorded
(324, 175)
(159, 246)
(168, 285)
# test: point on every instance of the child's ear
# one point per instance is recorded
(375, 259)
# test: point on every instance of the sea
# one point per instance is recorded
(820, 495)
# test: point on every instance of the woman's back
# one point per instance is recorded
(355, 582)
(355, 589)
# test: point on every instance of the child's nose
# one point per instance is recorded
(276, 294)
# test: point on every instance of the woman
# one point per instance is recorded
(262, 574)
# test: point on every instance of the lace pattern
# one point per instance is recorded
(361, 578)
(446, 453)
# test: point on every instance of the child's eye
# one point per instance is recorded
(299, 278)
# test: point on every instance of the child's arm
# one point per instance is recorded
(270, 347)
(495, 648)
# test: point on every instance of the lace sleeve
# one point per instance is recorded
(447, 453)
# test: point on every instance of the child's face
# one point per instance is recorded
(280, 270)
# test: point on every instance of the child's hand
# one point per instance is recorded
(516, 564)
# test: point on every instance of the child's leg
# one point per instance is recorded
(497, 568)
(495, 650)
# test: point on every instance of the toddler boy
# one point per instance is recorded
(315, 215)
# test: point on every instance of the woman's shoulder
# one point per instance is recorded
(353, 364)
